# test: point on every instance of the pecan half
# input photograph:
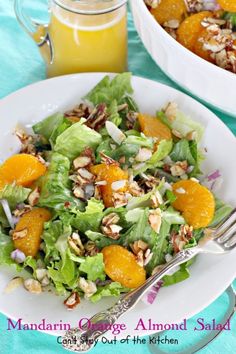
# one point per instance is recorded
(98, 117)
(72, 301)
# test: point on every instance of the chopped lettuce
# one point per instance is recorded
(91, 218)
(180, 275)
(75, 139)
(182, 151)
(164, 148)
(112, 289)
(14, 194)
(48, 125)
(222, 210)
(128, 151)
(114, 116)
(58, 130)
(52, 231)
(184, 124)
(159, 249)
(141, 141)
(187, 150)
(55, 185)
(100, 240)
(93, 267)
(6, 247)
(65, 267)
(141, 230)
(108, 90)
(172, 216)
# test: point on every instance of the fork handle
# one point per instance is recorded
(98, 324)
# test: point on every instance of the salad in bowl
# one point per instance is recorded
(205, 27)
(102, 196)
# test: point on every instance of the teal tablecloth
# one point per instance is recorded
(20, 65)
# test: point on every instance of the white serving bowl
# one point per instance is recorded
(204, 80)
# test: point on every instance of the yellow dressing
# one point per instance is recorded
(88, 43)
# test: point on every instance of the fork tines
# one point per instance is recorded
(225, 232)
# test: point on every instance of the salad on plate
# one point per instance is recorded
(102, 196)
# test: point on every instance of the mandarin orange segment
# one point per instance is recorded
(195, 201)
(228, 5)
(23, 169)
(199, 49)
(121, 266)
(31, 224)
(190, 28)
(109, 174)
(169, 10)
(153, 127)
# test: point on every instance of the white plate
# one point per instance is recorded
(210, 275)
(199, 77)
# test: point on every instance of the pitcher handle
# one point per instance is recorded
(38, 32)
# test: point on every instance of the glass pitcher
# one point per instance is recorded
(81, 36)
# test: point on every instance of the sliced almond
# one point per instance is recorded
(16, 235)
(13, 285)
(81, 161)
(33, 286)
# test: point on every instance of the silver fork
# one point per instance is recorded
(217, 240)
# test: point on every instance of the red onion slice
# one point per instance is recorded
(7, 212)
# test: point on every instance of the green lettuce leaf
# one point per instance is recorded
(184, 124)
(182, 151)
(55, 185)
(140, 231)
(67, 266)
(180, 275)
(100, 240)
(52, 231)
(48, 125)
(75, 139)
(113, 289)
(58, 130)
(6, 247)
(172, 216)
(141, 140)
(108, 90)
(164, 148)
(124, 150)
(91, 218)
(159, 249)
(14, 194)
(31, 263)
(221, 211)
(113, 113)
(94, 267)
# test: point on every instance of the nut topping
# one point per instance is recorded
(81, 161)
(33, 286)
(72, 301)
(16, 235)
(110, 227)
(171, 111)
(179, 168)
(155, 220)
(34, 196)
(88, 287)
(91, 249)
(142, 252)
(76, 244)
